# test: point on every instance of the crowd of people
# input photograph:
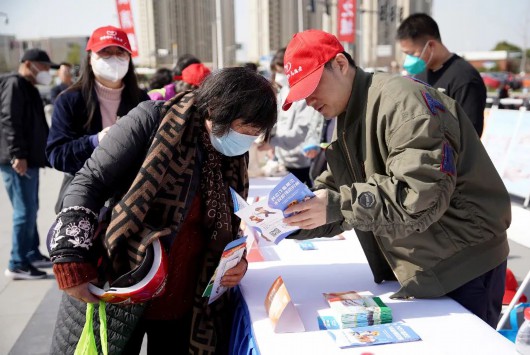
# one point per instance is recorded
(403, 166)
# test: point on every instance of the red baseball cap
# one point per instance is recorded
(304, 61)
(194, 74)
(108, 36)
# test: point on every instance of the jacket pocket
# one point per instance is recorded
(425, 249)
(461, 223)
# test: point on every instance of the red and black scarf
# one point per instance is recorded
(163, 185)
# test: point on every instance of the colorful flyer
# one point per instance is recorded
(389, 333)
(266, 215)
(231, 256)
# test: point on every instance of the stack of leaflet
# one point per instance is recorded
(354, 309)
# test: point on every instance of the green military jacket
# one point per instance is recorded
(408, 172)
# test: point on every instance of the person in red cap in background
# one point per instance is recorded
(296, 137)
(408, 172)
(106, 90)
(192, 77)
(170, 90)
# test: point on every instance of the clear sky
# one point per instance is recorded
(478, 25)
(47, 18)
(465, 25)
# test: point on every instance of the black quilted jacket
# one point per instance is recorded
(121, 320)
(71, 319)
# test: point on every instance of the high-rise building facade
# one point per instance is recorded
(378, 21)
(170, 28)
(273, 23)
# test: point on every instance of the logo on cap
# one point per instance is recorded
(290, 72)
(108, 36)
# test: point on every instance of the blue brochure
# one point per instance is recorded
(266, 215)
(389, 333)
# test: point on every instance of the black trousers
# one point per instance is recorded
(482, 296)
(162, 336)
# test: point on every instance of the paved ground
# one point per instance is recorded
(28, 308)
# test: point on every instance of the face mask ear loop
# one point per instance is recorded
(423, 51)
(430, 58)
(33, 67)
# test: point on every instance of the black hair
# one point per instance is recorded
(237, 93)
(351, 62)
(251, 66)
(161, 78)
(131, 92)
(181, 86)
(65, 64)
(184, 61)
(418, 26)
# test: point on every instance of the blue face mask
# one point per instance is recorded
(233, 143)
(415, 65)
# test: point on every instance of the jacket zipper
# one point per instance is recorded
(352, 170)
(350, 160)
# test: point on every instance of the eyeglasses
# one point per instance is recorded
(117, 52)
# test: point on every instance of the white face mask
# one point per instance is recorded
(233, 143)
(281, 79)
(111, 69)
(43, 77)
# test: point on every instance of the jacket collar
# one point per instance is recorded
(358, 98)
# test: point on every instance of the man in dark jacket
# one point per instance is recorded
(23, 136)
(431, 62)
(408, 172)
(65, 75)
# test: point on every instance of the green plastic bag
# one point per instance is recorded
(87, 341)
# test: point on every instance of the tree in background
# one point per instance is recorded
(74, 54)
(505, 46)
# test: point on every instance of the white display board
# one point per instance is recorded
(506, 138)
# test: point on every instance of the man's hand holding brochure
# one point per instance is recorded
(266, 215)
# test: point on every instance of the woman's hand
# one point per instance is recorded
(233, 276)
(82, 293)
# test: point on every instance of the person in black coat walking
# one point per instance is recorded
(23, 132)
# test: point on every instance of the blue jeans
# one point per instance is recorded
(23, 193)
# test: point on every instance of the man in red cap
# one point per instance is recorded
(408, 172)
